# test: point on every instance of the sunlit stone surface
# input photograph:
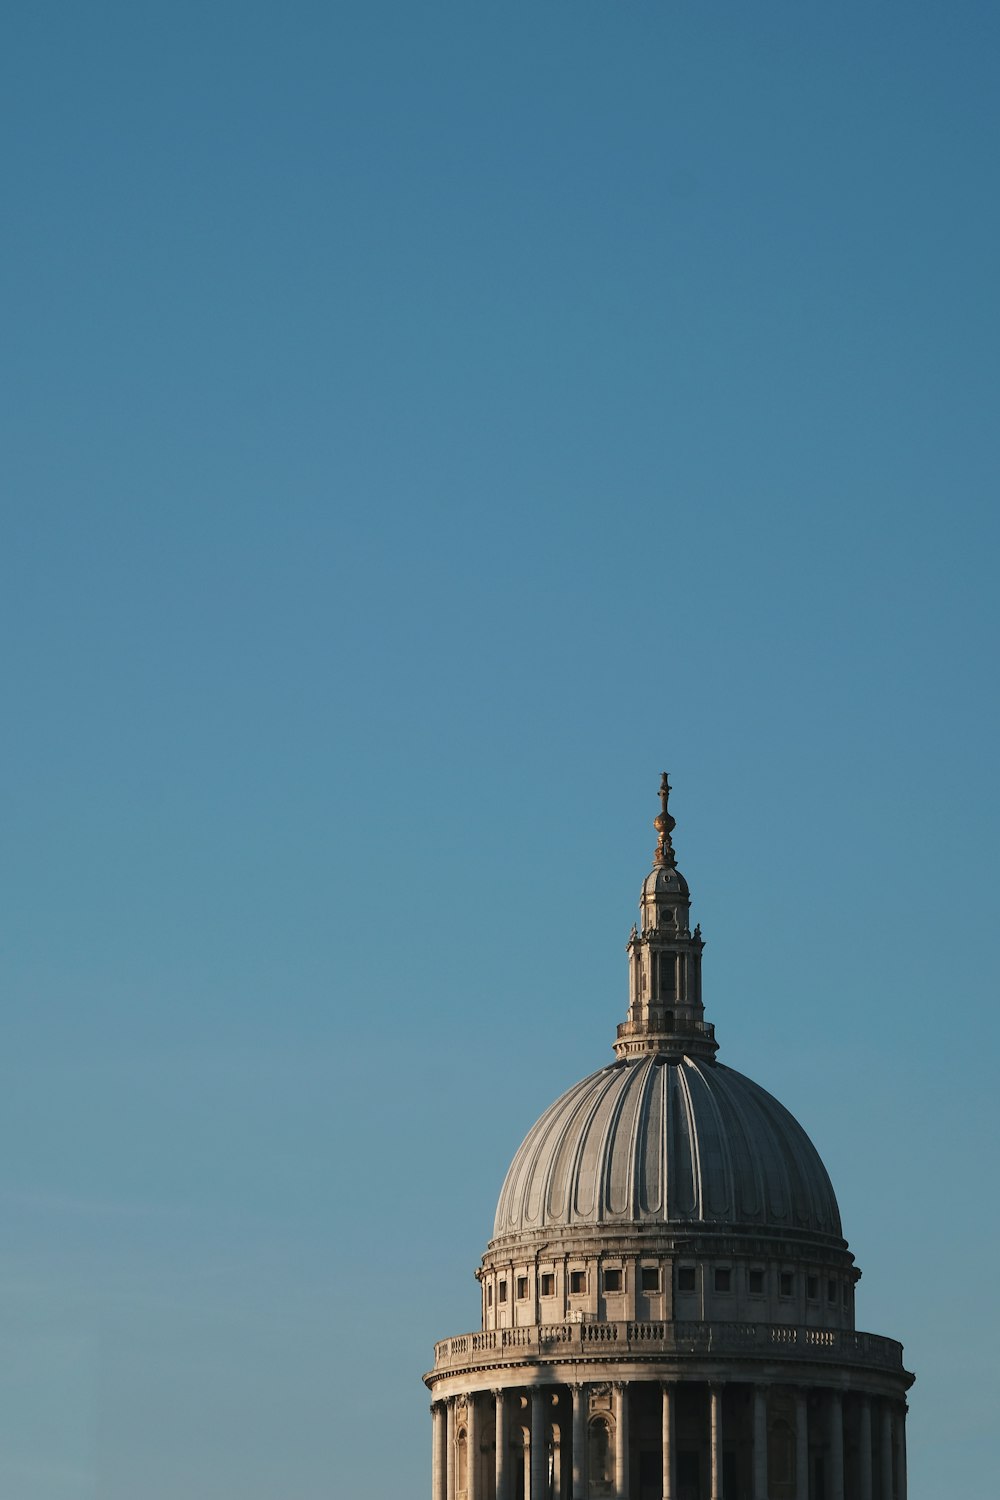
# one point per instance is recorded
(667, 1299)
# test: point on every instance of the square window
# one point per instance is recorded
(831, 1291)
(650, 1278)
(578, 1282)
(685, 1279)
(548, 1284)
(501, 1291)
(612, 1281)
(522, 1287)
(489, 1296)
(786, 1283)
(723, 1279)
(756, 1283)
(812, 1287)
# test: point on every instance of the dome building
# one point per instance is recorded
(667, 1298)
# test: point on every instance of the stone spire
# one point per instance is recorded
(665, 1012)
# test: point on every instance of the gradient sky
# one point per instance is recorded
(424, 424)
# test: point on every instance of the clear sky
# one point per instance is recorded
(423, 424)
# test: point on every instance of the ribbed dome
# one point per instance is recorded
(659, 1140)
(664, 881)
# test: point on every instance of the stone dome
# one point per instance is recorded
(664, 881)
(672, 1141)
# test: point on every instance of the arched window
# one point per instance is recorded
(462, 1462)
(602, 1453)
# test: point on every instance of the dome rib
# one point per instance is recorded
(618, 1153)
(682, 1085)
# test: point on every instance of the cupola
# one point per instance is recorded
(665, 1011)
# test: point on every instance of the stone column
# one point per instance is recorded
(502, 1454)
(760, 1442)
(865, 1455)
(472, 1446)
(539, 1443)
(836, 1446)
(715, 1409)
(669, 1486)
(450, 1450)
(801, 1447)
(886, 1445)
(579, 1442)
(621, 1442)
(439, 1443)
(901, 1453)
(557, 1461)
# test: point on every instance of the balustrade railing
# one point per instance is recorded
(592, 1340)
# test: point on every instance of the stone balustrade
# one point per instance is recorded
(596, 1340)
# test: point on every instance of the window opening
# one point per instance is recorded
(602, 1453)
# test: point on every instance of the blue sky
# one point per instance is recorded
(422, 425)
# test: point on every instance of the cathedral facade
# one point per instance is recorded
(667, 1298)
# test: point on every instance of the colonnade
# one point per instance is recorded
(878, 1472)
